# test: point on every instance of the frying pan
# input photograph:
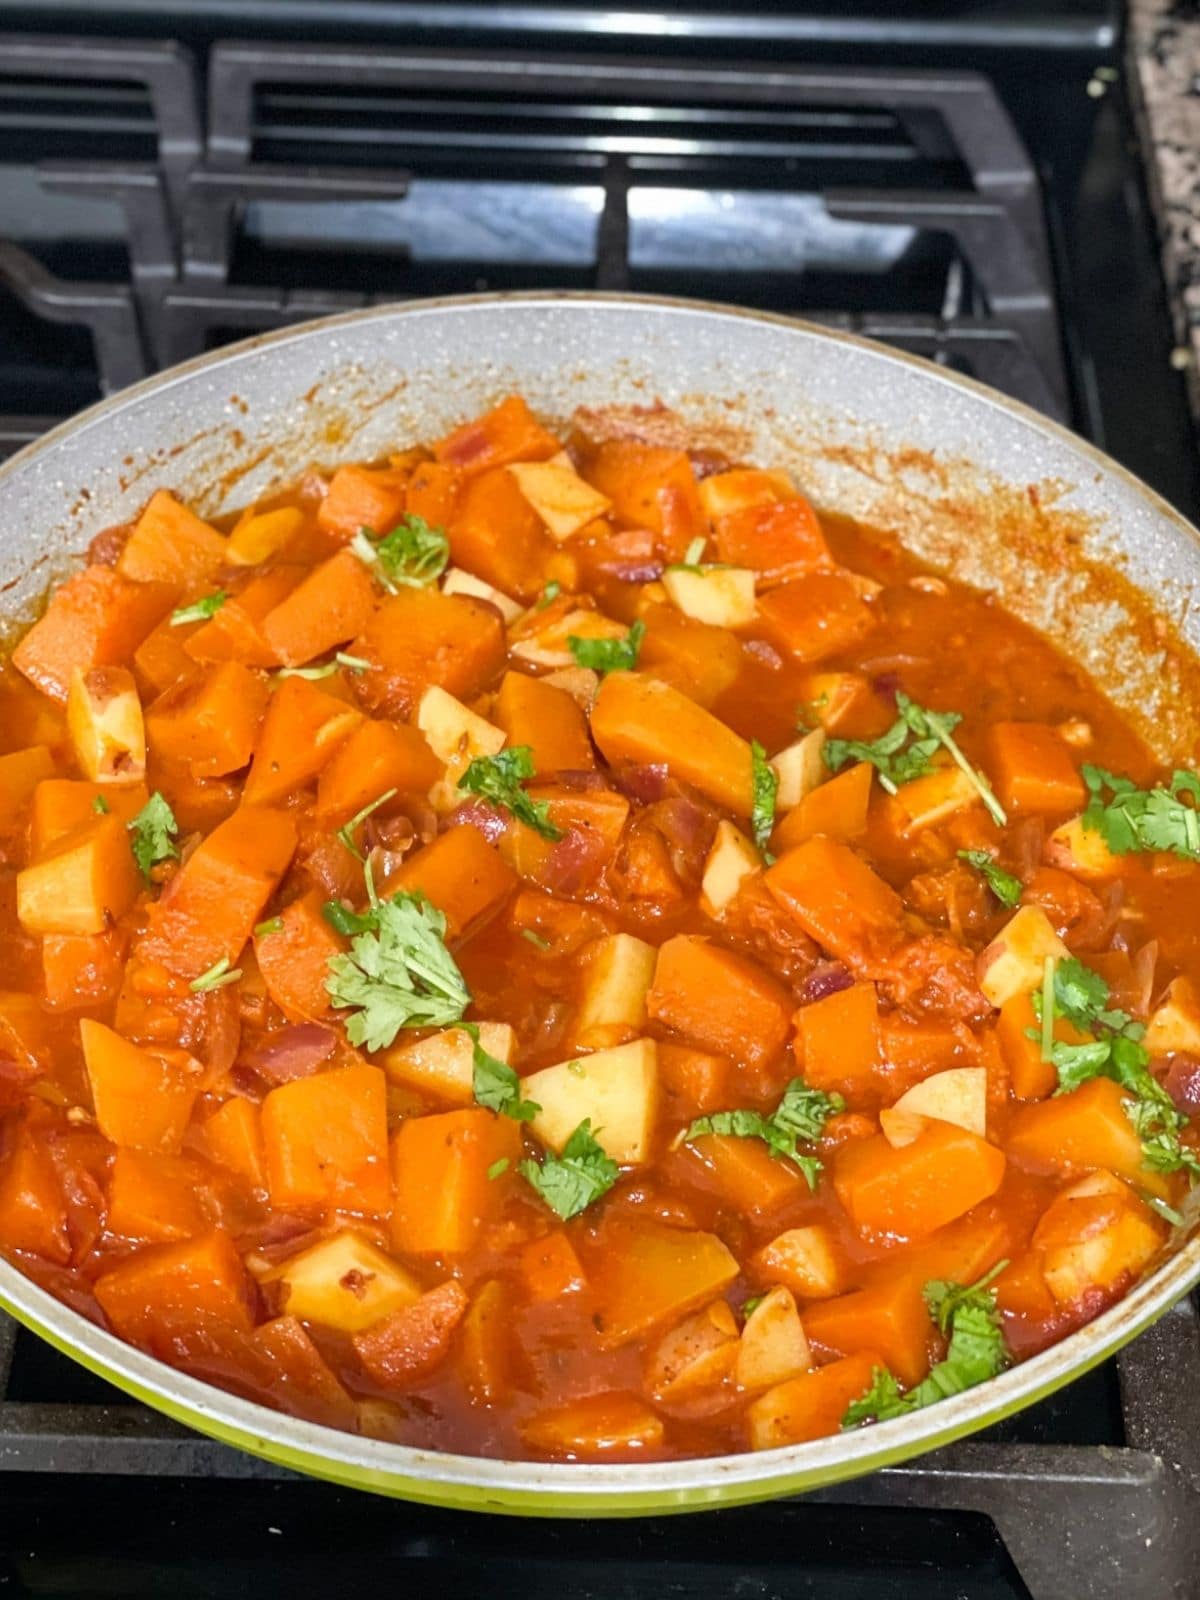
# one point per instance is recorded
(972, 482)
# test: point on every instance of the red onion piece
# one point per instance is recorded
(828, 978)
(479, 815)
(295, 1051)
(1183, 1082)
(646, 783)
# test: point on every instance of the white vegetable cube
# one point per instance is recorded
(723, 596)
(697, 1354)
(1094, 1234)
(104, 720)
(444, 1063)
(458, 581)
(901, 1127)
(559, 495)
(927, 801)
(800, 767)
(617, 1089)
(1014, 962)
(618, 972)
(1082, 851)
(344, 1282)
(581, 683)
(731, 858)
(808, 1258)
(773, 1346)
(1175, 1025)
(548, 647)
(958, 1095)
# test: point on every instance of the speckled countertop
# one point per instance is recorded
(1164, 44)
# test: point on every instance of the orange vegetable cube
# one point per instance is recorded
(461, 874)
(548, 720)
(917, 1187)
(141, 1099)
(330, 606)
(836, 808)
(152, 1198)
(748, 1175)
(172, 1292)
(303, 729)
(550, 1268)
(210, 719)
(1030, 1078)
(718, 1000)
(509, 432)
(433, 493)
(1032, 770)
(80, 970)
(161, 659)
(325, 1141)
(1085, 1129)
(889, 1317)
(232, 1137)
(294, 959)
(805, 1260)
(410, 1343)
(61, 805)
(362, 497)
(486, 1356)
(838, 900)
(235, 632)
(595, 1426)
(22, 773)
(642, 481)
(780, 542)
(647, 1274)
(422, 637)
(496, 535)
(260, 536)
(696, 1081)
(838, 1041)
(302, 1382)
(33, 1210)
(96, 619)
(811, 1406)
(700, 660)
(443, 1194)
(170, 544)
(815, 618)
(377, 756)
(83, 882)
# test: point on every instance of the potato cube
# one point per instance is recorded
(444, 1063)
(722, 596)
(958, 1095)
(927, 801)
(1094, 1236)
(799, 768)
(900, 1127)
(84, 882)
(581, 683)
(456, 735)
(560, 496)
(723, 493)
(618, 972)
(1082, 851)
(617, 1089)
(344, 1282)
(1175, 1024)
(458, 581)
(1014, 962)
(805, 1260)
(773, 1347)
(104, 719)
(731, 858)
(698, 1354)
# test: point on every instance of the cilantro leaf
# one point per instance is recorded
(799, 1117)
(1004, 885)
(346, 834)
(412, 556)
(152, 834)
(100, 805)
(551, 592)
(967, 1315)
(1144, 819)
(398, 973)
(906, 750)
(354, 664)
(495, 1084)
(609, 655)
(765, 786)
(692, 558)
(217, 976)
(499, 778)
(571, 1182)
(200, 610)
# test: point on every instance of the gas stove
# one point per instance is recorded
(959, 181)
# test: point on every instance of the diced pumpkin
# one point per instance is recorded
(332, 605)
(461, 874)
(170, 544)
(931, 800)
(647, 1275)
(210, 719)
(561, 498)
(209, 909)
(838, 1041)
(1015, 961)
(634, 476)
(325, 1141)
(96, 619)
(799, 769)
(1029, 1076)
(377, 756)
(617, 972)
(433, 493)
(175, 1291)
(343, 1282)
(718, 1000)
(363, 497)
(698, 1354)
(235, 631)
(750, 1178)
(442, 1192)
(486, 1353)
(812, 1405)
(232, 1137)
(773, 1347)
(888, 1316)
(742, 488)
(152, 1198)
(421, 637)
(457, 580)
(838, 809)
(414, 1340)
(302, 731)
(594, 1426)
(83, 883)
(161, 659)
(636, 718)
(694, 1080)
(496, 534)
(781, 541)
(24, 1037)
(141, 1099)
(616, 1089)
(920, 1186)
(1175, 1022)
(815, 618)
(22, 773)
(721, 596)
(842, 703)
(838, 900)
(731, 859)
(1084, 1129)
(805, 1260)
(81, 970)
(442, 1064)
(534, 713)
(509, 432)
(697, 659)
(302, 1382)
(294, 958)
(550, 1268)
(33, 1208)
(61, 805)
(260, 536)
(1032, 770)
(958, 1096)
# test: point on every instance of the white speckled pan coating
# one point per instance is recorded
(978, 485)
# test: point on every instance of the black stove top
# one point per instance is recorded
(960, 180)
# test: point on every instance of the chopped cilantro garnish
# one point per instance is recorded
(100, 805)
(217, 976)
(764, 787)
(535, 938)
(413, 555)
(551, 592)
(498, 1168)
(271, 925)
(495, 1084)
(1144, 819)
(200, 610)
(799, 1117)
(749, 1307)
(499, 778)
(609, 655)
(152, 834)
(571, 1182)
(398, 973)
(1006, 886)
(315, 674)
(346, 834)
(976, 1352)
(692, 558)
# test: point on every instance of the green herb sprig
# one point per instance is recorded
(1134, 819)
(499, 779)
(800, 1117)
(609, 655)
(413, 555)
(1006, 886)
(571, 1182)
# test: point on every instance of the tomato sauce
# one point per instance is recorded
(608, 734)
